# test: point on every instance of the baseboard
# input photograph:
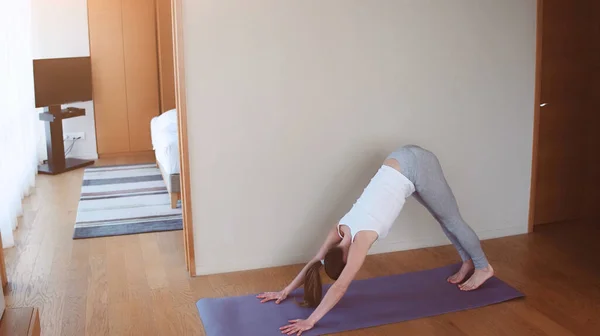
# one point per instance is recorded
(244, 264)
(127, 154)
(504, 232)
(247, 264)
(84, 155)
(405, 245)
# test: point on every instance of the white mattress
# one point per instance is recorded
(168, 157)
(163, 130)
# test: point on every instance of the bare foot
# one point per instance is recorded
(459, 276)
(478, 278)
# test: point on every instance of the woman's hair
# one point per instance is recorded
(313, 287)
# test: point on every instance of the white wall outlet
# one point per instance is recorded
(74, 135)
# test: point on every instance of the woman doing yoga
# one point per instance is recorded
(411, 170)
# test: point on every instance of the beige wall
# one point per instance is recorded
(294, 104)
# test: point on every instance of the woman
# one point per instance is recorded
(411, 170)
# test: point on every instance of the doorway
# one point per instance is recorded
(136, 113)
(566, 167)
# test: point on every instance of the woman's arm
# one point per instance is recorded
(332, 239)
(356, 257)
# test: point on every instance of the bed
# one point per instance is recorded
(165, 143)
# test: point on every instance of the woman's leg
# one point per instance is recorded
(467, 265)
(461, 251)
(435, 193)
(405, 161)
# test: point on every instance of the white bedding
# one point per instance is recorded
(168, 157)
(163, 130)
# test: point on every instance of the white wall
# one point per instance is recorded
(293, 105)
(60, 29)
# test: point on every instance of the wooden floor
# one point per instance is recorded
(137, 285)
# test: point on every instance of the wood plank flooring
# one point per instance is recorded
(137, 285)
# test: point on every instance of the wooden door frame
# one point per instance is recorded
(180, 103)
(536, 113)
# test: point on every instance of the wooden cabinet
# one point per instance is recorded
(125, 72)
(166, 70)
(3, 276)
(108, 75)
(20, 322)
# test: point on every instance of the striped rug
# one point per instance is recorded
(121, 200)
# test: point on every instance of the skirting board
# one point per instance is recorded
(241, 264)
(84, 155)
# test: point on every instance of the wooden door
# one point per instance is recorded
(166, 70)
(592, 181)
(562, 144)
(108, 75)
(124, 58)
(141, 70)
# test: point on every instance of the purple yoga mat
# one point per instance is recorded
(367, 303)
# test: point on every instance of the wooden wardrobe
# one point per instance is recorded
(132, 70)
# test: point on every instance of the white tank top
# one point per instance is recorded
(380, 203)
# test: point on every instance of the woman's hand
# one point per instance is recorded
(297, 326)
(270, 296)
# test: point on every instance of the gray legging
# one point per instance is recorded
(423, 169)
